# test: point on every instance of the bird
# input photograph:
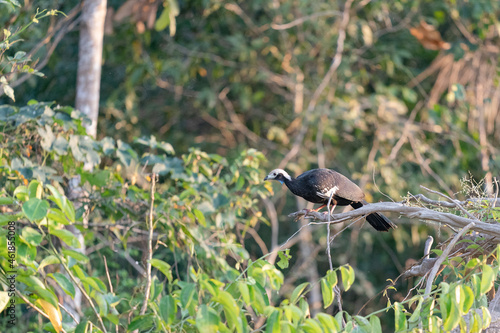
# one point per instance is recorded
(319, 185)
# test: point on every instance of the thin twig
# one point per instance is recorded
(107, 274)
(69, 313)
(78, 284)
(31, 304)
(150, 245)
(305, 18)
(456, 202)
(442, 257)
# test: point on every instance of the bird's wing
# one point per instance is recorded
(331, 183)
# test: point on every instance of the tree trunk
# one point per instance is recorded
(89, 61)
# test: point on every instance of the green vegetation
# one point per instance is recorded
(163, 223)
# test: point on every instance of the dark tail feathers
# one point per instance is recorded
(377, 220)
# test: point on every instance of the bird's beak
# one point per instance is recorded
(265, 178)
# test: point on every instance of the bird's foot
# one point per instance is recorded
(302, 214)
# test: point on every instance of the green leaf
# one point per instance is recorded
(100, 285)
(9, 91)
(6, 218)
(259, 298)
(468, 299)
(476, 323)
(416, 315)
(78, 256)
(476, 285)
(327, 293)
(101, 303)
(6, 200)
(189, 297)
(273, 322)
(487, 278)
(56, 215)
(67, 237)
(231, 309)
(35, 209)
(168, 309)
(486, 317)
(49, 260)
(62, 202)
(347, 274)
(399, 318)
(4, 300)
(31, 236)
(64, 283)
(78, 271)
(207, 319)
(363, 323)
(244, 291)
(144, 323)
(46, 295)
(35, 189)
(284, 258)
(331, 276)
(163, 267)
(452, 318)
(311, 326)
(21, 193)
(328, 322)
(200, 217)
(164, 20)
(375, 324)
(297, 292)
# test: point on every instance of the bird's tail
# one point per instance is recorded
(377, 220)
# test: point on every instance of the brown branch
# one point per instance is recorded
(255, 235)
(301, 20)
(84, 293)
(232, 7)
(150, 245)
(234, 117)
(107, 275)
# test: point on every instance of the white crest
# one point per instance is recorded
(276, 172)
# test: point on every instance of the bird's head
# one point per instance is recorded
(279, 175)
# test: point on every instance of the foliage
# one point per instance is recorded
(232, 80)
(19, 63)
(203, 278)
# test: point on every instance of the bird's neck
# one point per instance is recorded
(291, 184)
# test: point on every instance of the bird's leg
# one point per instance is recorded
(317, 209)
(331, 210)
(331, 201)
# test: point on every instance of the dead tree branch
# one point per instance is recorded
(411, 212)
(442, 257)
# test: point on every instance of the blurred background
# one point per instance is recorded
(393, 95)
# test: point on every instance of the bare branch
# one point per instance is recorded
(493, 202)
(408, 211)
(150, 245)
(428, 246)
(442, 257)
(456, 202)
(420, 269)
(301, 20)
